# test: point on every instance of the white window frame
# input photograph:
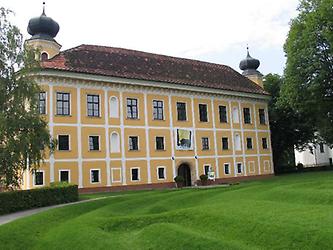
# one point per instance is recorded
(254, 167)
(250, 111)
(137, 107)
(112, 178)
(209, 168)
(229, 170)
(46, 100)
(99, 105)
(203, 103)
(252, 148)
(235, 116)
(152, 103)
(139, 174)
(99, 175)
(116, 114)
(186, 109)
(242, 168)
(163, 143)
(130, 150)
(34, 178)
(226, 112)
(205, 149)
(69, 143)
(99, 144)
(267, 166)
(69, 174)
(118, 148)
(70, 102)
(158, 178)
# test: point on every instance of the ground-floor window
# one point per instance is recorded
(226, 168)
(135, 174)
(161, 173)
(206, 169)
(64, 176)
(239, 168)
(94, 175)
(39, 178)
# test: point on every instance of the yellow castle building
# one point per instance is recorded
(127, 119)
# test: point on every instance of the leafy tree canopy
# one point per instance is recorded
(308, 87)
(288, 128)
(23, 133)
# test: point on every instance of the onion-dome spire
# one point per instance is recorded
(249, 63)
(43, 27)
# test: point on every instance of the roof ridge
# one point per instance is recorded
(152, 54)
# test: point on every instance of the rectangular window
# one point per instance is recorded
(132, 108)
(223, 114)
(161, 173)
(262, 118)
(42, 103)
(181, 111)
(93, 105)
(205, 143)
(64, 175)
(225, 143)
(159, 143)
(158, 110)
(63, 142)
(239, 168)
(63, 103)
(247, 115)
(249, 143)
(206, 168)
(94, 176)
(226, 168)
(203, 113)
(93, 142)
(135, 174)
(133, 143)
(321, 147)
(39, 178)
(264, 143)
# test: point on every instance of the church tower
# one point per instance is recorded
(249, 66)
(43, 30)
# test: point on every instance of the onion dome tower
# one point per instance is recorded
(43, 30)
(249, 66)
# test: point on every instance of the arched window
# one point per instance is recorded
(115, 145)
(114, 107)
(44, 56)
(235, 115)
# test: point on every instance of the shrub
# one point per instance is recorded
(203, 177)
(179, 179)
(57, 193)
(300, 166)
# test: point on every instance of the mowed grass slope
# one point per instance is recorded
(285, 212)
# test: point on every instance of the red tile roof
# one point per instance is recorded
(131, 64)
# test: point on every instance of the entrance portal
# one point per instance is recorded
(184, 170)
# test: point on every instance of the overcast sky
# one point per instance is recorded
(214, 31)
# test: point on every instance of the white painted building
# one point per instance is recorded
(316, 155)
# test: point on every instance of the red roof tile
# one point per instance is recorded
(131, 64)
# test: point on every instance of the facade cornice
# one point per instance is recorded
(98, 80)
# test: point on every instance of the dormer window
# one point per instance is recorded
(44, 56)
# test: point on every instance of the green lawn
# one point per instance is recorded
(286, 212)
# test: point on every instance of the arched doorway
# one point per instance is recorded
(185, 171)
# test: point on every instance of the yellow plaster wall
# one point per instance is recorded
(141, 107)
(198, 123)
(221, 162)
(210, 135)
(166, 112)
(141, 133)
(219, 135)
(154, 164)
(116, 172)
(218, 124)
(72, 118)
(206, 161)
(85, 119)
(153, 133)
(114, 121)
(87, 166)
(89, 131)
(142, 165)
(189, 113)
(72, 166)
(73, 147)
(250, 106)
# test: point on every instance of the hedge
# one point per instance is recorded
(40, 197)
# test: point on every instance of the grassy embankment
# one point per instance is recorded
(286, 212)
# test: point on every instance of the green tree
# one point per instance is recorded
(308, 87)
(23, 133)
(288, 128)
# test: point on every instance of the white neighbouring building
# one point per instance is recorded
(317, 155)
